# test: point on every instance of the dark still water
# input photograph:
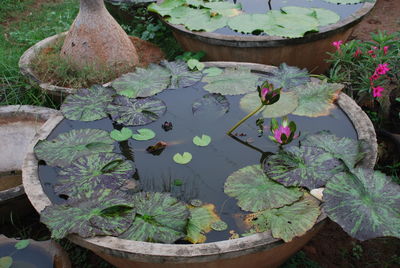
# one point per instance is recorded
(204, 177)
(29, 257)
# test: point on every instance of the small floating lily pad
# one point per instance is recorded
(70, 145)
(144, 134)
(22, 244)
(202, 141)
(213, 71)
(182, 158)
(136, 112)
(195, 64)
(216, 103)
(219, 226)
(6, 262)
(286, 76)
(87, 104)
(121, 135)
(181, 76)
(200, 221)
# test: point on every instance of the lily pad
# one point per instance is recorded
(346, 149)
(316, 98)
(70, 145)
(143, 82)
(365, 203)
(200, 222)
(144, 134)
(202, 141)
(6, 262)
(213, 71)
(181, 76)
(211, 103)
(136, 112)
(87, 104)
(287, 76)
(306, 166)
(290, 221)
(195, 64)
(225, 9)
(249, 23)
(22, 244)
(347, 2)
(286, 104)
(75, 216)
(219, 226)
(93, 172)
(256, 192)
(324, 16)
(182, 159)
(159, 218)
(121, 135)
(233, 81)
(165, 7)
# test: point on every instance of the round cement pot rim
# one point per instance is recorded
(156, 252)
(274, 41)
(33, 112)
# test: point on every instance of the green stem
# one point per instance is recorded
(244, 119)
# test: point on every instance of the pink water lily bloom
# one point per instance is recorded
(281, 130)
(264, 92)
(382, 69)
(337, 44)
(377, 91)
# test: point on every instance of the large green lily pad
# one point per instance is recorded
(159, 218)
(306, 166)
(87, 104)
(76, 216)
(93, 172)
(165, 7)
(200, 222)
(324, 16)
(365, 203)
(136, 112)
(225, 9)
(290, 221)
(181, 76)
(249, 23)
(143, 82)
(66, 147)
(233, 81)
(286, 76)
(256, 192)
(316, 98)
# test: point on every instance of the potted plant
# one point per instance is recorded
(147, 186)
(267, 32)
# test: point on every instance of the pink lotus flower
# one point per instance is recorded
(377, 91)
(382, 69)
(264, 92)
(284, 133)
(385, 49)
(281, 130)
(337, 44)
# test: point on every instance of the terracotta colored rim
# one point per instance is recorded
(156, 252)
(274, 41)
(36, 113)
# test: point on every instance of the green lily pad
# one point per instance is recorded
(346, 149)
(256, 192)
(286, 104)
(195, 64)
(202, 141)
(365, 203)
(200, 222)
(83, 215)
(159, 218)
(22, 244)
(143, 82)
(93, 172)
(87, 104)
(165, 7)
(316, 98)
(249, 23)
(225, 9)
(181, 76)
(306, 166)
(182, 158)
(233, 81)
(219, 226)
(6, 262)
(213, 71)
(347, 2)
(290, 221)
(211, 103)
(324, 16)
(121, 135)
(144, 134)
(136, 112)
(287, 76)
(70, 145)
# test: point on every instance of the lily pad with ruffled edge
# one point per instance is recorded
(289, 221)
(310, 167)
(233, 81)
(93, 172)
(316, 98)
(87, 104)
(85, 215)
(365, 203)
(286, 76)
(136, 112)
(211, 103)
(200, 221)
(143, 82)
(181, 76)
(324, 16)
(346, 149)
(165, 7)
(159, 218)
(286, 104)
(256, 192)
(66, 147)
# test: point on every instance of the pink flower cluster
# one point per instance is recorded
(337, 44)
(382, 69)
